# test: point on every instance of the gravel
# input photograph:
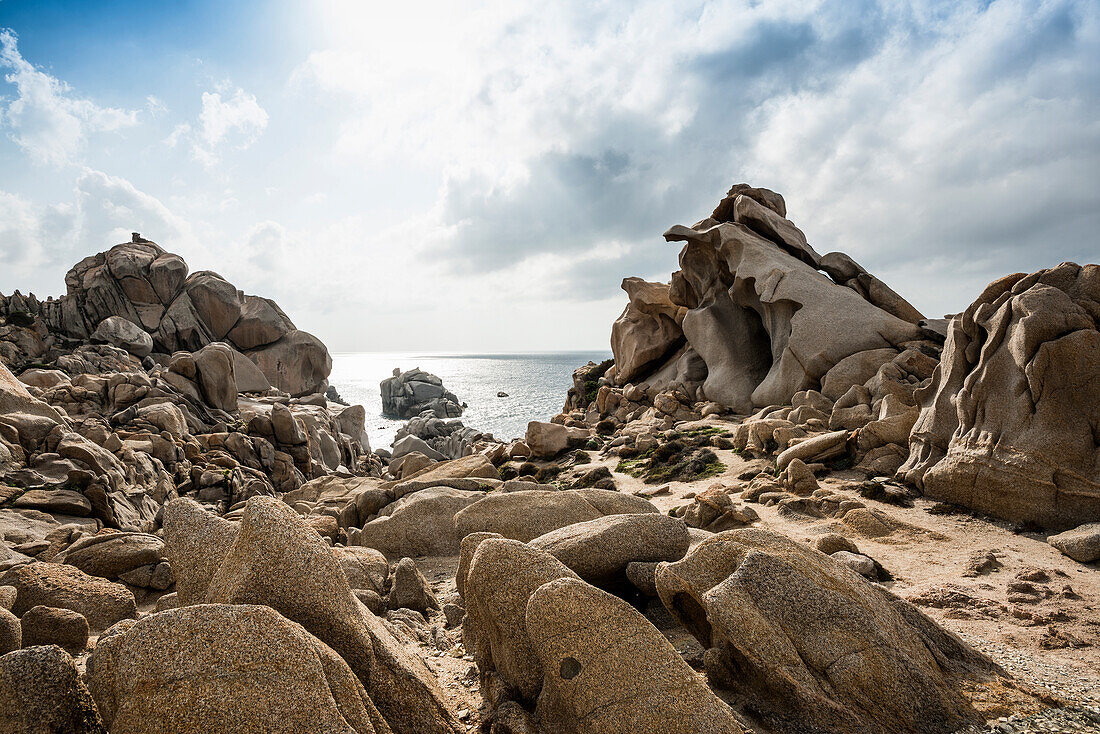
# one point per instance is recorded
(1080, 690)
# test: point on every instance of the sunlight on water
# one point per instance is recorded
(536, 385)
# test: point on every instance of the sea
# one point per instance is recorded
(536, 385)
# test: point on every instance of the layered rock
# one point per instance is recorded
(1008, 426)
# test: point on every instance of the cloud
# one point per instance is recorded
(38, 244)
(236, 120)
(912, 136)
(45, 119)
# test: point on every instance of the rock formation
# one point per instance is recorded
(140, 298)
(408, 394)
(1009, 424)
(699, 543)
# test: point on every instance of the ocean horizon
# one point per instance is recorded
(535, 383)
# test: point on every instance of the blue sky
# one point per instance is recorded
(480, 177)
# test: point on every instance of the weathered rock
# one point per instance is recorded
(11, 634)
(52, 626)
(217, 380)
(1007, 425)
(1082, 543)
(526, 515)
(599, 550)
(410, 589)
(60, 501)
(647, 331)
(546, 439)
(195, 543)
(110, 555)
(277, 560)
(298, 363)
(222, 668)
(124, 334)
(41, 691)
(811, 644)
(420, 524)
(261, 322)
(855, 369)
(101, 602)
(365, 568)
(724, 212)
(502, 576)
(767, 324)
(30, 417)
(616, 673)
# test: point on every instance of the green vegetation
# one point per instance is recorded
(672, 462)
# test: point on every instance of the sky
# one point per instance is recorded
(480, 177)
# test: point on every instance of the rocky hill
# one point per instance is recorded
(789, 504)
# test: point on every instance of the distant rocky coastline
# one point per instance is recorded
(790, 503)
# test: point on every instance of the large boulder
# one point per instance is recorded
(110, 555)
(41, 691)
(224, 668)
(647, 331)
(52, 626)
(278, 560)
(546, 440)
(195, 543)
(124, 334)
(1008, 426)
(599, 550)
(527, 514)
(214, 365)
(501, 578)
(615, 673)
(261, 323)
(298, 363)
(420, 524)
(102, 602)
(812, 645)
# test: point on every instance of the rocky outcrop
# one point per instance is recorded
(753, 316)
(1008, 426)
(766, 323)
(408, 394)
(139, 297)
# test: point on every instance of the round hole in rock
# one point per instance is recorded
(570, 668)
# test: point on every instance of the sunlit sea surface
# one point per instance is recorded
(536, 385)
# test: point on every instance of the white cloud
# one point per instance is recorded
(236, 120)
(38, 244)
(45, 119)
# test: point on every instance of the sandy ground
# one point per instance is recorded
(1033, 610)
